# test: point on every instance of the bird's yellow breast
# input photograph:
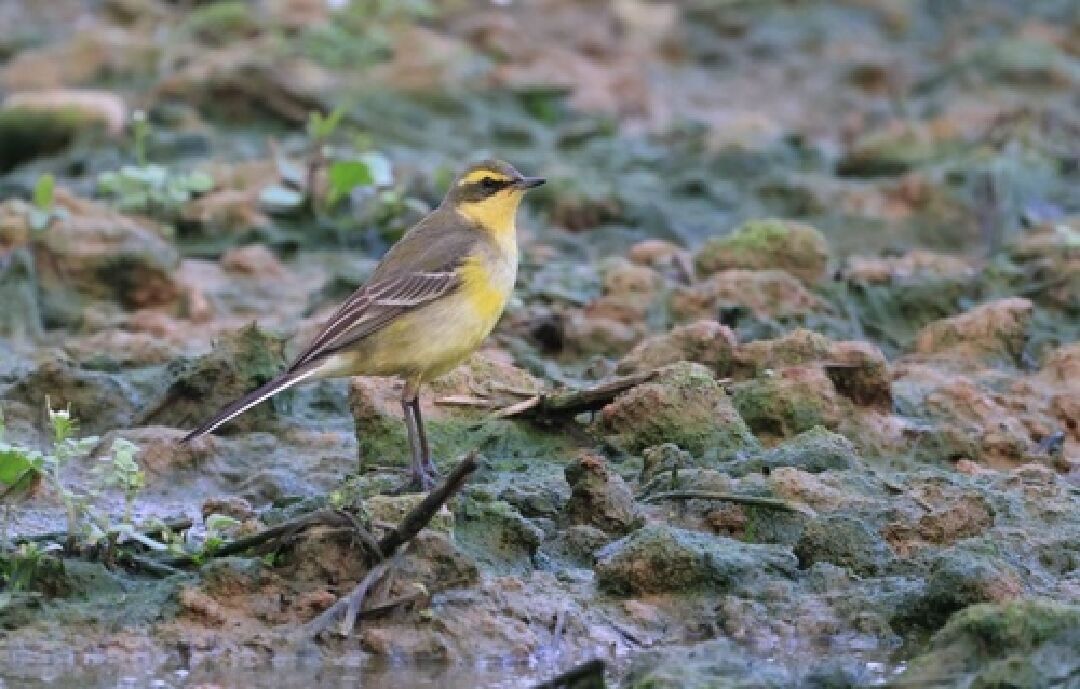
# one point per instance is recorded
(435, 338)
(485, 287)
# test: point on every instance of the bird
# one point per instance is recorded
(431, 301)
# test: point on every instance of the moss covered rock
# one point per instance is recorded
(496, 534)
(683, 405)
(795, 348)
(765, 294)
(27, 132)
(860, 372)
(771, 243)
(242, 361)
(100, 401)
(1049, 261)
(893, 149)
(705, 342)
(599, 497)
(846, 541)
(95, 252)
(793, 402)
(813, 451)
(1028, 643)
(381, 436)
(996, 331)
(959, 579)
(659, 558)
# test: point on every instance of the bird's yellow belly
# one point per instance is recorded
(435, 338)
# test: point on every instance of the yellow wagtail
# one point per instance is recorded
(434, 297)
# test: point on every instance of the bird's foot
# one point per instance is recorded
(421, 480)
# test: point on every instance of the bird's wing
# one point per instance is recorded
(375, 305)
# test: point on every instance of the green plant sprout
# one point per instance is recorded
(153, 188)
(348, 166)
(217, 528)
(140, 136)
(120, 470)
(21, 467)
(149, 187)
(321, 128)
(43, 211)
(344, 176)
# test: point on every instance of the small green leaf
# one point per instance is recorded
(346, 175)
(151, 175)
(43, 192)
(199, 182)
(322, 127)
(14, 466)
(220, 522)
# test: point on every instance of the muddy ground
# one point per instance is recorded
(837, 242)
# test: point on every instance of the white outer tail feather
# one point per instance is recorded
(238, 407)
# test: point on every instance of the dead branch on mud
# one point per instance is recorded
(348, 604)
(348, 607)
(155, 533)
(276, 537)
(751, 500)
(419, 516)
(568, 403)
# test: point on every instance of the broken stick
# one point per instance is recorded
(572, 402)
(751, 500)
(350, 604)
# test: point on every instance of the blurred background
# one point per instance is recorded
(313, 132)
(174, 171)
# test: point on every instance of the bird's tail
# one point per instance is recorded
(231, 411)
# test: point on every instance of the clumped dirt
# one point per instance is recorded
(843, 237)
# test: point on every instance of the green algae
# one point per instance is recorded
(768, 243)
(1027, 643)
(844, 540)
(660, 558)
(496, 534)
(221, 22)
(684, 405)
(383, 441)
(783, 407)
(814, 451)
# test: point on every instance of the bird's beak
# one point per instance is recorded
(528, 182)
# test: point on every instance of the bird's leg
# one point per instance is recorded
(419, 458)
(425, 452)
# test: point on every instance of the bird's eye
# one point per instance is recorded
(489, 184)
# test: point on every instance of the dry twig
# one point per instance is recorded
(752, 500)
(573, 402)
(350, 605)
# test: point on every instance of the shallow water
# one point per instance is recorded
(33, 670)
(294, 673)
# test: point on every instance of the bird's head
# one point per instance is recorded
(488, 193)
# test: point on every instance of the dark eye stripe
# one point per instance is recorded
(475, 191)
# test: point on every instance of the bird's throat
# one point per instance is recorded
(494, 215)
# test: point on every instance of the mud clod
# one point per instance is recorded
(685, 406)
(790, 246)
(659, 558)
(846, 541)
(599, 497)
